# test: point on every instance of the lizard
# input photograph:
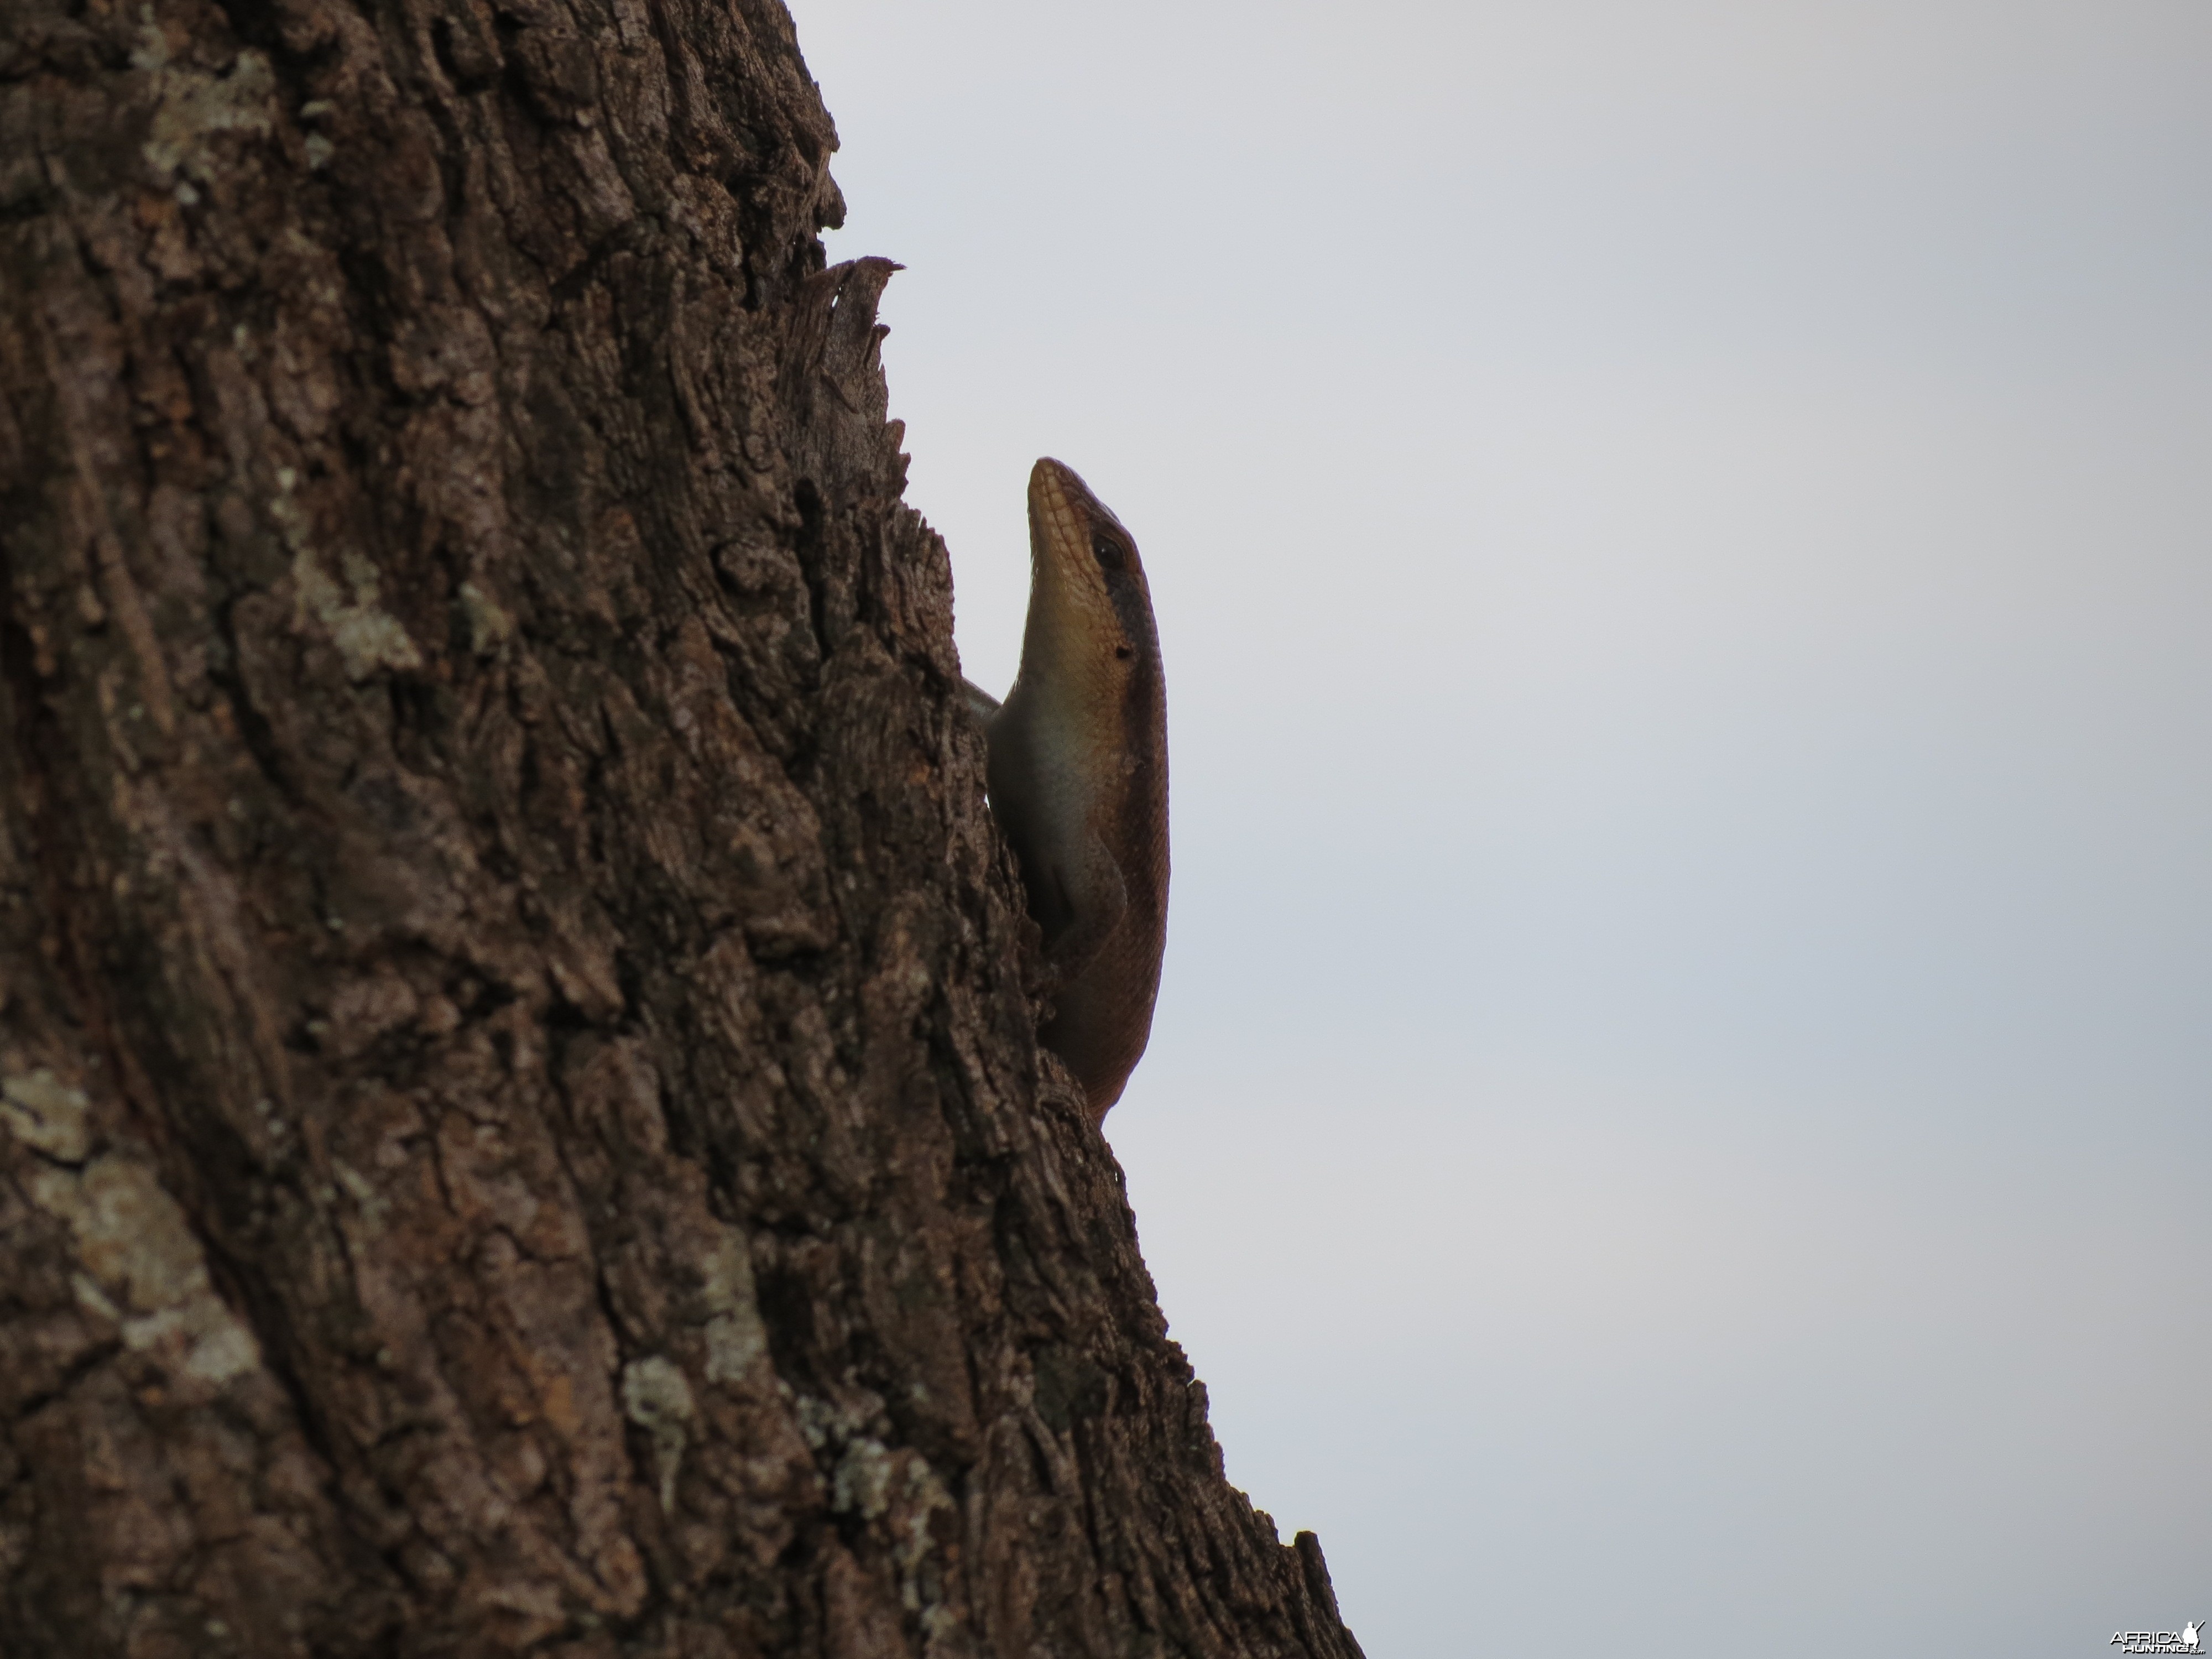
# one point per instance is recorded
(1077, 776)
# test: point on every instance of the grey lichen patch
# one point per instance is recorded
(375, 1209)
(367, 638)
(736, 1338)
(194, 105)
(875, 1483)
(657, 1398)
(862, 1486)
(93, 1299)
(822, 1422)
(151, 54)
(142, 1267)
(925, 1495)
(490, 627)
(46, 1114)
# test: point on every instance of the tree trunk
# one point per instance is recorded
(521, 1121)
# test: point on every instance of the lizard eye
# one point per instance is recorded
(1108, 551)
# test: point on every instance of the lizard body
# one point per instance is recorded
(1079, 779)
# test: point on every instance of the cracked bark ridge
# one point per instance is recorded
(520, 1127)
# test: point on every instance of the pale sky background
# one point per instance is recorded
(1682, 535)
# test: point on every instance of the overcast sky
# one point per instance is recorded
(1680, 1114)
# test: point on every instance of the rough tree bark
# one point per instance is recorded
(521, 1126)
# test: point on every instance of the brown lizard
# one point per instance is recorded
(1079, 779)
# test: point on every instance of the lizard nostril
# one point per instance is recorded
(1122, 651)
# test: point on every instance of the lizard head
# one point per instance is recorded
(1087, 590)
